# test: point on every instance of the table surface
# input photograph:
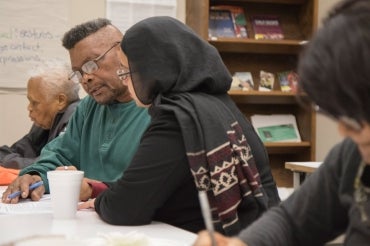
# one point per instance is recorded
(306, 167)
(16, 225)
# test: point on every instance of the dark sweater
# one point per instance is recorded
(26, 150)
(320, 210)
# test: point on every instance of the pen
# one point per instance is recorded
(206, 212)
(32, 187)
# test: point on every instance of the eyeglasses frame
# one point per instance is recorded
(80, 74)
(123, 73)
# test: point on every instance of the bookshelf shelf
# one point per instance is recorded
(270, 94)
(264, 99)
(298, 20)
(269, 1)
(258, 46)
(287, 148)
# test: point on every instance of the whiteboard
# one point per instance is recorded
(30, 33)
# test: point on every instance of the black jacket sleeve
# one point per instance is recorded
(25, 151)
(157, 185)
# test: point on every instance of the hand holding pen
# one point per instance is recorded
(207, 216)
(203, 239)
(209, 237)
(24, 186)
(32, 187)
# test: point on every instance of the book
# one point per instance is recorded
(288, 81)
(220, 24)
(267, 81)
(267, 27)
(238, 17)
(276, 127)
(243, 80)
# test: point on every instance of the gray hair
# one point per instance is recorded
(55, 78)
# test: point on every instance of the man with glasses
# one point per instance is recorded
(89, 67)
(335, 199)
(105, 130)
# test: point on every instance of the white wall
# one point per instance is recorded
(14, 121)
(326, 130)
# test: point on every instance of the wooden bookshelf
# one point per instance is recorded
(298, 19)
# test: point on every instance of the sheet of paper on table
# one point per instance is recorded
(26, 206)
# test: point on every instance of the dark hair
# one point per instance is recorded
(334, 68)
(83, 30)
(347, 5)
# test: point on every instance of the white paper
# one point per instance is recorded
(125, 13)
(30, 33)
(262, 121)
(26, 206)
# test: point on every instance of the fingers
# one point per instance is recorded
(204, 239)
(66, 168)
(91, 180)
(21, 184)
(13, 187)
(86, 190)
(37, 193)
(83, 205)
(86, 205)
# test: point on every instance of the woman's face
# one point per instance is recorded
(360, 136)
(127, 80)
(42, 109)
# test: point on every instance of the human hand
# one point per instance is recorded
(86, 189)
(204, 239)
(70, 168)
(22, 183)
(86, 205)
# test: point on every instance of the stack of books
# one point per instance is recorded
(227, 21)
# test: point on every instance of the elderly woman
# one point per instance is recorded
(52, 100)
(197, 138)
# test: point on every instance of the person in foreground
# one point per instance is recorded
(197, 138)
(334, 72)
(105, 130)
(52, 100)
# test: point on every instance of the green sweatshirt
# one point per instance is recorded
(100, 140)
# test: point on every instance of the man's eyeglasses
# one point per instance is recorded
(89, 67)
